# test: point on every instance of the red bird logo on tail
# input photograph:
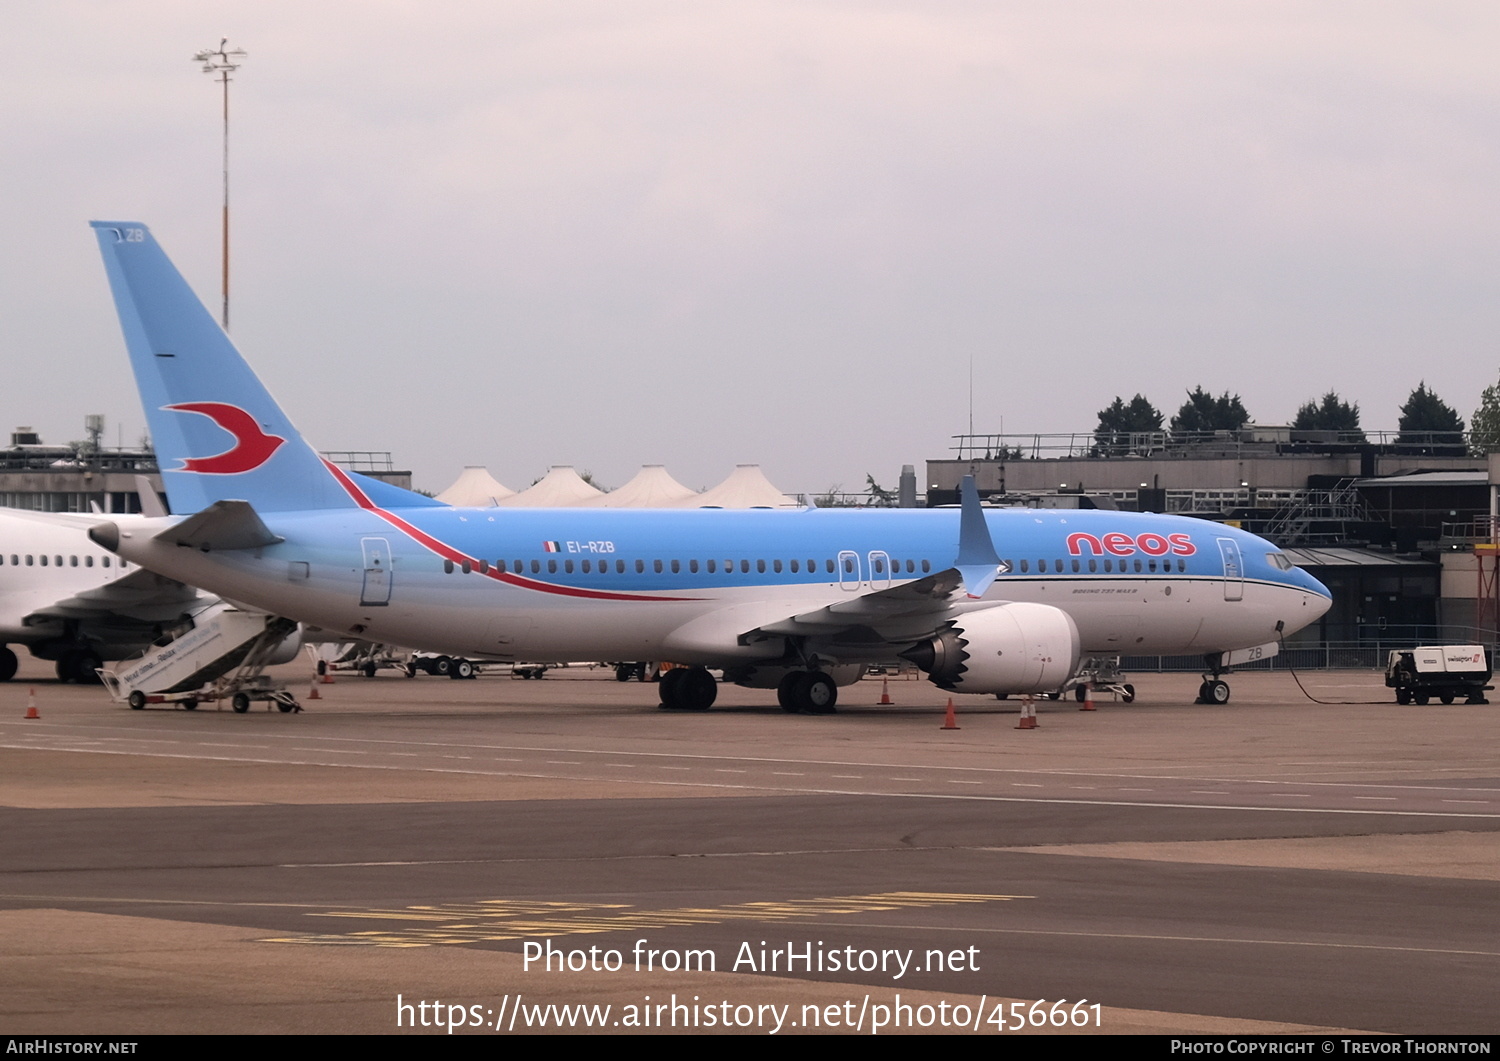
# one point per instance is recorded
(252, 446)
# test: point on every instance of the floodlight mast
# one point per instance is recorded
(223, 62)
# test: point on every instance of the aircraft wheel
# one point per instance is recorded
(190, 704)
(697, 690)
(1218, 691)
(8, 664)
(786, 691)
(368, 670)
(1403, 696)
(1002, 696)
(460, 669)
(286, 706)
(86, 669)
(1079, 693)
(667, 688)
(624, 671)
(816, 694)
(64, 667)
(136, 700)
(1128, 696)
(240, 702)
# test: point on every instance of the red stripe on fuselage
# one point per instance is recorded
(447, 552)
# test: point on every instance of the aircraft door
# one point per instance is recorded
(376, 589)
(1234, 570)
(849, 574)
(879, 570)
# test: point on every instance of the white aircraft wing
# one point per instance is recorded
(142, 596)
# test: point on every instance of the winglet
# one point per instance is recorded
(977, 561)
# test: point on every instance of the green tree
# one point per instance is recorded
(1424, 411)
(1203, 412)
(1484, 425)
(1332, 413)
(880, 497)
(1120, 420)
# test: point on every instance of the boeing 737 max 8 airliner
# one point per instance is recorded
(1003, 601)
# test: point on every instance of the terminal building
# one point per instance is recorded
(1400, 526)
(88, 476)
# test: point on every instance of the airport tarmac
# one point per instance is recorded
(1272, 865)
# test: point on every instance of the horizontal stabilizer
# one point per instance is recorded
(222, 525)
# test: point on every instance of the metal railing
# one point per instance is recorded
(1370, 654)
(1247, 441)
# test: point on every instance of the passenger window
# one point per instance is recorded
(760, 565)
(484, 567)
(1137, 567)
(927, 566)
(796, 566)
(1041, 565)
(536, 567)
(745, 567)
(676, 567)
(552, 567)
(44, 559)
(1075, 567)
(713, 566)
(693, 566)
(776, 566)
(568, 566)
(447, 567)
(72, 561)
(106, 560)
(656, 566)
(588, 566)
(1093, 564)
(1025, 567)
(640, 567)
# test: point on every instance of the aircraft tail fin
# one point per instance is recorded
(218, 433)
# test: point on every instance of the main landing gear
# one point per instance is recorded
(807, 693)
(687, 689)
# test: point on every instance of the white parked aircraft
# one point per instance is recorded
(70, 601)
(796, 599)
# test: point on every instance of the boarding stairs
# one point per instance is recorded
(222, 654)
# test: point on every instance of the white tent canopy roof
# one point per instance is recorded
(475, 488)
(746, 487)
(561, 487)
(652, 487)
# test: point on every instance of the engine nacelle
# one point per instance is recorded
(1012, 648)
(287, 650)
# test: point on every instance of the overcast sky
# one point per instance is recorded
(613, 233)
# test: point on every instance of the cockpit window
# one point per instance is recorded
(1280, 561)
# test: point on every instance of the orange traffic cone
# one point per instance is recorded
(1088, 697)
(312, 690)
(950, 722)
(1028, 714)
(885, 690)
(31, 711)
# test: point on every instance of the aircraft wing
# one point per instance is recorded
(896, 616)
(141, 596)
